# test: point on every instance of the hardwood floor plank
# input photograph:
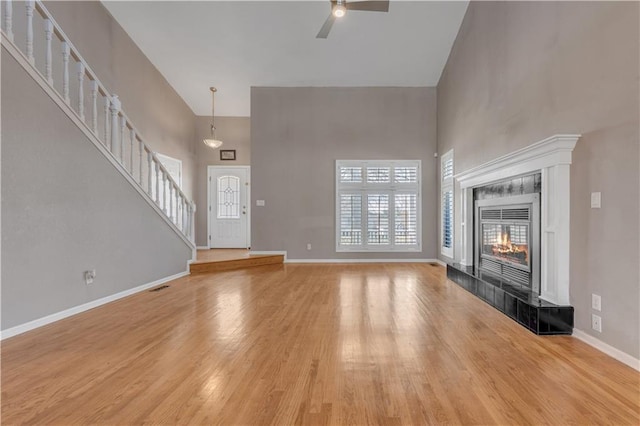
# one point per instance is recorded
(320, 344)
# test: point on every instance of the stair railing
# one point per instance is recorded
(105, 119)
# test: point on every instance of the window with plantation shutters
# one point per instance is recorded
(350, 215)
(446, 204)
(377, 206)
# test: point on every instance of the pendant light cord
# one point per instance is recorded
(213, 127)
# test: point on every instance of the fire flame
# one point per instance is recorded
(506, 249)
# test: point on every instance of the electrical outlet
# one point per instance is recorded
(260, 203)
(596, 200)
(308, 246)
(596, 323)
(596, 302)
(89, 276)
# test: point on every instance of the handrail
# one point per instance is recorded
(115, 121)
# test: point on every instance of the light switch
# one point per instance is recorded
(596, 200)
(596, 302)
(260, 203)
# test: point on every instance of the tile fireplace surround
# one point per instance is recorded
(548, 312)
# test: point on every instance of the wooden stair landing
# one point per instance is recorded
(217, 260)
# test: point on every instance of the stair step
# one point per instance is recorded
(200, 267)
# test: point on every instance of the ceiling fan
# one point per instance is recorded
(339, 9)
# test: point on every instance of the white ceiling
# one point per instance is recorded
(234, 45)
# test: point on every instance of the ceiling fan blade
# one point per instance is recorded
(369, 6)
(324, 31)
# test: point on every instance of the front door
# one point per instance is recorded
(229, 207)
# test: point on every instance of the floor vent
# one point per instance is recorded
(162, 287)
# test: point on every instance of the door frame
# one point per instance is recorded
(209, 200)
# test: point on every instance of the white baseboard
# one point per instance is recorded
(22, 328)
(202, 248)
(287, 260)
(268, 253)
(623, 357)
(363, 261)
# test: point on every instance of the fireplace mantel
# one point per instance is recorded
(552, 157)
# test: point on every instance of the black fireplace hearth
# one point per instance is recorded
(507, 252)
(517, 302)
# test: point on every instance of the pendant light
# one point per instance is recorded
(212, 142)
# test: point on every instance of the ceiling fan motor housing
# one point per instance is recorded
(339, 9)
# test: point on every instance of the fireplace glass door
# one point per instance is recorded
(506, 242)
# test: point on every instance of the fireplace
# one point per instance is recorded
(508, 238)
(512, 250)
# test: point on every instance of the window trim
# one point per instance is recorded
(390, 188)
(446, 185)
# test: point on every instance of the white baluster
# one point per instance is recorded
(189, 224)
(30, 4)
(188, 214)
(123, 124)
(8, 19)
(192, 220)
(178, 209)
(132, 138)
(181, 210)
(66, 51)
(171, 215)
(107, 126)
(157, 181)
(183, 218)
(164, 192)
(80, 70)
(115, 109)
(48, 63)
(177, 206)
(185, 210)
(149, 168)
(140, 149)
(94, 106)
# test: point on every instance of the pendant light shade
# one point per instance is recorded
(212, 142)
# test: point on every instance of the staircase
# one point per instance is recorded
(97, 113)
(83, 193)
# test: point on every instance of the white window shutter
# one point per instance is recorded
(378, 205)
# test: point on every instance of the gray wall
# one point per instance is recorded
(159, 113)
(66, 209)
(522, 71)
(298, 133)
(235, 132)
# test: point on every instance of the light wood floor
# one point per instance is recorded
(309, 344)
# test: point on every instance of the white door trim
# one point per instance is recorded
(164, 159)
(210, 207)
